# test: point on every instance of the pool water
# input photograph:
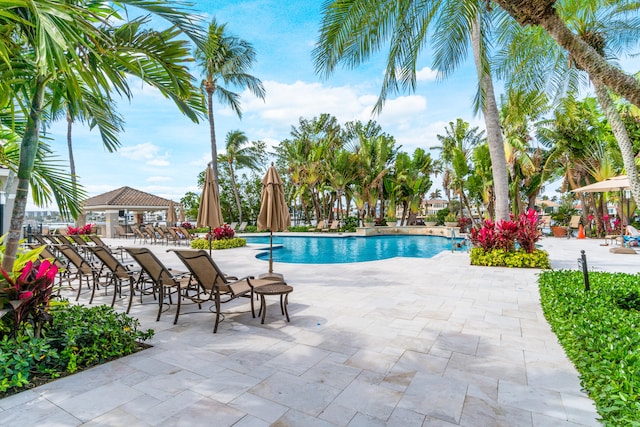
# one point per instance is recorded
(337, 250)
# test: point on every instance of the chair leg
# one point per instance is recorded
(179, 298)
(160, 301)
(79, 287)
(130, 294)
(217, 299)
(253, 311)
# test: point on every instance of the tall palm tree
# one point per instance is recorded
(239, 153)
(351, 32)
(543, 13)
(608, 28)
(73, 42)
(225, 61)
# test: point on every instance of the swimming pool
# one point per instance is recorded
(337, 250)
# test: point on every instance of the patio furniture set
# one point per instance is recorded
(128, 271)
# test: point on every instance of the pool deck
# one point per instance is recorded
(399, 342)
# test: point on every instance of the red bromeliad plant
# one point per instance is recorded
(485, 237)
(27, 297)
(528, 233)
(504, 234)
(222, 233)
(86, 229)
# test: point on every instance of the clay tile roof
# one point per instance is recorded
(126, 197)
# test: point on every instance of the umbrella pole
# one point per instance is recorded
(270, 251)
(210, 240)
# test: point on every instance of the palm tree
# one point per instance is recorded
(351, 32)
(225, 60)
(240, 154)
(543, 13)
(73, 43)
(608, 28)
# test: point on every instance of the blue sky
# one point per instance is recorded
(162, 152)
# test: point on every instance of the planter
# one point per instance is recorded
(451, 224)
(430, 224)
(559, 231)
(369, 224)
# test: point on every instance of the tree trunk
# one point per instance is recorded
(622, 136)
(494, 133)
(210, 88)
(236, 194)
(72, 163)
(28, 149)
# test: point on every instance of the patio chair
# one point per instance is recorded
(216, 286)
(80, 268)
(63, 270)
(175, 237)
(233, 225)
(161, 236)
(574, 223)
(150, 232)
(319, 226)
(139, 235)
(632, 236)
(97, 240)
(242, 227)
(117, 274)
(121, 232)
(334, 226)
(185, 233)
(164, 280)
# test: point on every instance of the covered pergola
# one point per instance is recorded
(122, 199)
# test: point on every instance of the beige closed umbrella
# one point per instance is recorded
(209, 213)
(172, 218)
(274, 212)
(181, 214)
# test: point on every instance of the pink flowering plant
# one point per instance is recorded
(25, 292)
(221, 233)
(86, 229)
(495, 243)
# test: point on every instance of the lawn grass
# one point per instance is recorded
(600, 332)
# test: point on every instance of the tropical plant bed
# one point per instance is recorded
(515, 259)
(78, 338)
(599, 331)
(236, 242)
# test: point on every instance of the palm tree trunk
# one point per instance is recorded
(494, 133)
(236, 194)
(212, 133)
(72, 163)
(622, 136)
(28, 149)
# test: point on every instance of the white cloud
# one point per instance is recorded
(426, 75)
(147, 152)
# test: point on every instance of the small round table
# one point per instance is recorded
(274, 289)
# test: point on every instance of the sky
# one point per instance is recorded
(162, 152)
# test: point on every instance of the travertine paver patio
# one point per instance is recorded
(400, 342)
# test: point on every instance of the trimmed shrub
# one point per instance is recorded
(235, 242)
(518, 259)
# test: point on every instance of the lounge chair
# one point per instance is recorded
(63, 270)
(120, 232)
(574, 223)
(216, 286)
(166, 281)
(117, 273)
(242, 227)
(233, 225)
(632, 235)
(96, 240)
(319, 226)
(80, 268)
(334, 226)
(139, 235)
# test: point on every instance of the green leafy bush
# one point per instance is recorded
(515, 259)
(600, 334)
(351, 223)
(236, 242)
(77, 338)
(299, 228)
(251, 229)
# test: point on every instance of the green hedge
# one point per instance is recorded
(79, 337)
(600, 332)
(502, 258)
(236, 242)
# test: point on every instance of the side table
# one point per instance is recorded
(274, 289)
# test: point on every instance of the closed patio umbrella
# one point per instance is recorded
(209, 213)
(171, 214)
(181, 215)
(274, 212)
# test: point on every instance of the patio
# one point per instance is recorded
(405, 342)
